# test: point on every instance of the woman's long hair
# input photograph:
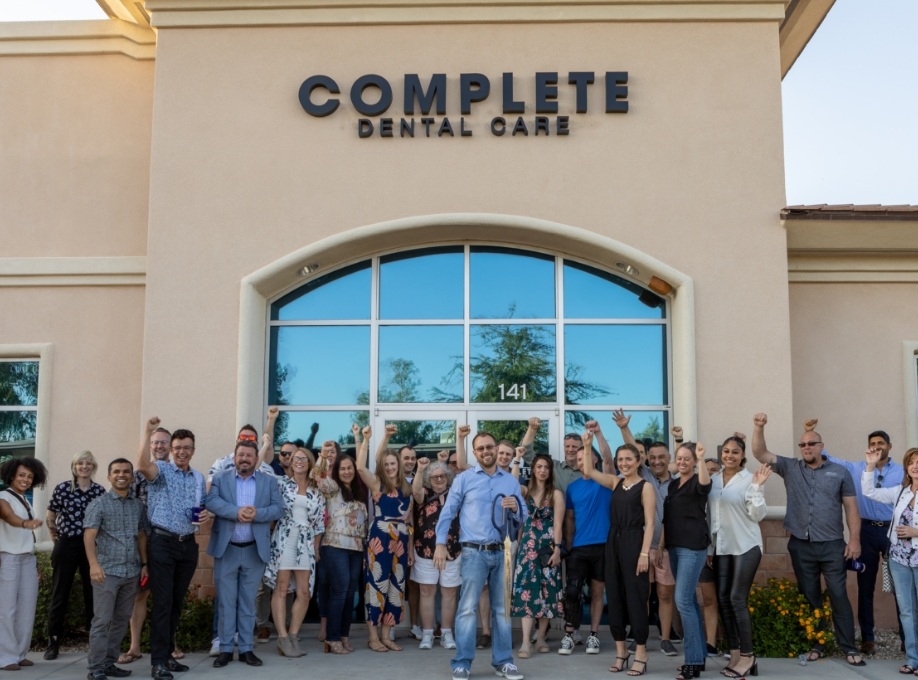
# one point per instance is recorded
(549, 483)
(386, 485)
(77, 457)
(356, 490)
(906, 461)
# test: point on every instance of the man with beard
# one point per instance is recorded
(817, 491)
(245, 502)
(874, 526)
(473, 498)
(116, 545)
(174, 490)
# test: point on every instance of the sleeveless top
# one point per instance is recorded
(626, 511)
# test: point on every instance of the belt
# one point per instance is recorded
(242, 545)
(877, 523)
(172, 534)
(490, 547)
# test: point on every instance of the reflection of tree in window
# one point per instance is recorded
(18, 401)
(653, 432)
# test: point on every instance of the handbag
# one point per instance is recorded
(887, 576)
(545, 553)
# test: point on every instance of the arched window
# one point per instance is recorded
(438, 335)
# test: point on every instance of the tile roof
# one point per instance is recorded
(850, 212)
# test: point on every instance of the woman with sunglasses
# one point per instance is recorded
(294, 545)
(430, 486)
(388, 556)
(737, 505)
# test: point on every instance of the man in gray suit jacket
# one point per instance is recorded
(245, 503)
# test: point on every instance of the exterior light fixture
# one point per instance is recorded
(629, 269)
(308, 269)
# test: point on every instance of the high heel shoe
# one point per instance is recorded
(689, 671)
(753, 669)
(285, 647)
(335, 648)
(634, 672)
(618, 669)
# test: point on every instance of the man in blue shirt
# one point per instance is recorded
(473, 497)
(174, 489)
(875, 519)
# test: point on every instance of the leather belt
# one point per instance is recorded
(490, 547)
(242, 545)
(877, 523)
(172, 534)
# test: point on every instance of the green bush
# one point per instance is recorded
(195, 627)
(784, 624)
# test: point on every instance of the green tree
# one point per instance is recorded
(18, 387)
(653, 432)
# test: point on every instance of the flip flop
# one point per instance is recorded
(852, 655)
(906, 670)
(815, 654)
(128, 657)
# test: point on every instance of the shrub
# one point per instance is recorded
(784, 624)
(195, 626)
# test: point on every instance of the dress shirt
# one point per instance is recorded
(229, 461)
(118, 520)
(735, 512)
(170, 494)
(471, 497)
(814, 498)
(245, 495)
(871, 510)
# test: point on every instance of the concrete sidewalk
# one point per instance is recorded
(413, 664)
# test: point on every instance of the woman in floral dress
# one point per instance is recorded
(294, 545)
(537, 579)
(388, 556)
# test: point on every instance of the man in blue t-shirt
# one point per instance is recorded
(586, 527)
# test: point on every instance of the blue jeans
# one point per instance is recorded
(686, 565)
(905, 581)
(480, 567)
(338, 573)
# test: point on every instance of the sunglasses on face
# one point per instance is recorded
(247, 437)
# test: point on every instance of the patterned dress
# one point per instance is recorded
(292, 528)
(387, 558)
(536, 589)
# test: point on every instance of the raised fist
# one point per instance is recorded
(273, 411)
(592, 426)
(391, 429)
(367, 432)
(535, 423)
(759, 419)
(423, 462)
(152, 424)
(676, 431)
(810, 424)
(464, 430)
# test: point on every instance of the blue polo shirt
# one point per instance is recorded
(590, 502)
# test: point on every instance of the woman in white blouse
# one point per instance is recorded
(903, 545)
(737, 505)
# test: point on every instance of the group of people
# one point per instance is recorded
(457, 543)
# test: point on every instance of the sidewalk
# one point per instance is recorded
(414, 664)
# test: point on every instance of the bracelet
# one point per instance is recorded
(515, 462)
(644, 555)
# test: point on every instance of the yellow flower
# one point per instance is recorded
(751, 609)
(817, 613)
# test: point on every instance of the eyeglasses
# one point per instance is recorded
(482, 449)
(300, 459)
(803, 445)
(160, 443)
(182, 448)
(433, 477)
(245, 437)
(285, 453)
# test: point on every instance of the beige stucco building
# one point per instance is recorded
(162, 186)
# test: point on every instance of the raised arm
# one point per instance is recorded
(703, 476)
(888, 494)
(363, 452)
(755, 496)
(517, 461)
(311, 440)
(417, 484)
(608, 462)
(620, 419)
(145, 464)
(759, 450)
(266, 454)
(606, 480)
(462, 456)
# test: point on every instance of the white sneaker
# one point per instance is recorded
(567, 645)
(416, 632)
(592, 645)
(576, 636)
(509, 671)
(215, 647)
(426, 641)
(447, 641)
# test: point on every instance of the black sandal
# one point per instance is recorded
(633, 673)
(619, 669)
(906, 670)
(852, 655)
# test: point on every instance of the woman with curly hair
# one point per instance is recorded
(387, 549)
(294, 545)
(18, 568)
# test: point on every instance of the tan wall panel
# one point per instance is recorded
(74, 155)
(847, 358)
(97, 336)
(692, 175)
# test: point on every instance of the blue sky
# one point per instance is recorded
(850, 101)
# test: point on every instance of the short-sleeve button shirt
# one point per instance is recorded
(170, 494)
(69, 503)
(814, 498)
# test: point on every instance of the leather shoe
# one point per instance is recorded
(114, 672)
(95, 675)
(160, 672)
(868, 647)
(222, 659)
(175, 666)
(250, 658)
(52, 652)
